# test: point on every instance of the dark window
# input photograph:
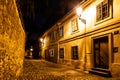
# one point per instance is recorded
(61, 31)
(102, 10)
(74, 25)
(56, 34)
(61, 54)
(52, 36)
(74, 52)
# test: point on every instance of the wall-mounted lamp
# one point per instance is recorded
(41, 39)
(79, 12)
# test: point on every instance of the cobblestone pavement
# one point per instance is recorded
(43, 70)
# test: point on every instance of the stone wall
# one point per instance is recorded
(12, 41)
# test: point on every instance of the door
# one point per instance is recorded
(101, 56)
(46, 55)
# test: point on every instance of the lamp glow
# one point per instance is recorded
(79, 11)
(41, 39)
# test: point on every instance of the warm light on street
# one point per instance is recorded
(60, 40)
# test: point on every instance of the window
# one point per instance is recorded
(61, 31)
(61, 53)
(74, 52)
(51, 52)
(102, 10)
(56, 34)
(74, 25)
(52, 36)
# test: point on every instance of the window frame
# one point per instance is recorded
(74, 25)
(53, 35)
(61, 31)
(74, 52)
(61, 53)
(109, 11)
(51, 52)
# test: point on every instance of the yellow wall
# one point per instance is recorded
(93, 29)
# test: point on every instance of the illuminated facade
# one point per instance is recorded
(90, 46)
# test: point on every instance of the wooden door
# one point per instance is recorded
(101, 56)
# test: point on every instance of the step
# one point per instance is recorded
(101, 69)
(100, 72)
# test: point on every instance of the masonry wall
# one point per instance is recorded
(12, 39)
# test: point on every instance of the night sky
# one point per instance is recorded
(40, 15)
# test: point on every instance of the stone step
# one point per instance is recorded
(100, 72)
(101, 69)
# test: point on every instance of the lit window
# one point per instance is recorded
(61, 53)
(51, 52)
(74, 52)
(102, 10)
(74, 25)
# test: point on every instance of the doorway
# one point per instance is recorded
(46, 55)
(101, 52)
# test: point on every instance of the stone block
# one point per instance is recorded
(12, 41)
(115, 70)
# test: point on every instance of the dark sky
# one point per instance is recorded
(39, 15)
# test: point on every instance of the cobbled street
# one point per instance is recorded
(43, 70)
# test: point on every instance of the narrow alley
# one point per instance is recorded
(44, 70)
(81, 36)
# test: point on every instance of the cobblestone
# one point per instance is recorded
(43, 70)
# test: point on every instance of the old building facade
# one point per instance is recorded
(91, 42)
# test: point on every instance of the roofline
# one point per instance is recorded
(68, 15)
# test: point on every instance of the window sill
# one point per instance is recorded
(75, 32)
(75, 58)
(104, 20)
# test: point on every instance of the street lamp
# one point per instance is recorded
(79, 12)
(41, 39)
